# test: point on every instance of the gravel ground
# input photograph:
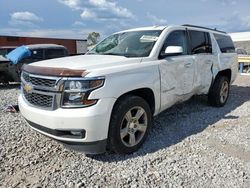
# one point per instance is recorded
(190, 145)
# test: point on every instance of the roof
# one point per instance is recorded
(184, 26)
(39, 46)
(204, 28)
(240, 36)
(145, 28)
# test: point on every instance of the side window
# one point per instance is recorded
(37, 54)
(54, 53)
(225, 43)
(200, 42)
(177, 38)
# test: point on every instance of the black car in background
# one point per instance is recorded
(10, 72)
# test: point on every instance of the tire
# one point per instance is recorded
(124, 124)
(219, 92)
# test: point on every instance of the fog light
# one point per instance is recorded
(78, 133)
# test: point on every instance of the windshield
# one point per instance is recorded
(128, 44)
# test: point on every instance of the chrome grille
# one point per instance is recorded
(41, 91)
(39, 81)
(39, 100)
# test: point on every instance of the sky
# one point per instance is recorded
(77, 18)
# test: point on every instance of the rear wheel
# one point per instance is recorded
(130, 123)
(219, 92)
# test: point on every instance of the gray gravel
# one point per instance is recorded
(190, 145)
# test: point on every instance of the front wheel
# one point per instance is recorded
(219, 92)
(129, 125)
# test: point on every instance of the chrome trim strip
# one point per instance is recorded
(58, 82)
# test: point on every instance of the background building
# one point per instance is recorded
(74, 46)
(241, 40)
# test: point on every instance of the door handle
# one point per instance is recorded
(187, 65)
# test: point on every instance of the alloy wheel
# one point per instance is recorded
(133, 126)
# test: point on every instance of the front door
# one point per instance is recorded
(177, 71)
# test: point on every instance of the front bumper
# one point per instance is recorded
(86, 147)
(93, 121)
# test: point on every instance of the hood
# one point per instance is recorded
(3, 59)
(87, 62)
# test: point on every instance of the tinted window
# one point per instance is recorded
(10, 49)
(225, 43)
(3, 52)
(37, 54)
(177, 38)
(200, 42)
(54, 53)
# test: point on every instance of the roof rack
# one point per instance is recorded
(188, 25)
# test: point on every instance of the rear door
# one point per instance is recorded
(177, 71)
(201, 50)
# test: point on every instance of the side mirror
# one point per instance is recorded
(171, 51)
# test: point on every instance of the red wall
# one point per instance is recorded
(70, 44)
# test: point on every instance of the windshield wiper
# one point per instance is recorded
(131, 55)
(110, 53)
(92, 53)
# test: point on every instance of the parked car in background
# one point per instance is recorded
(243, 60)
(4, 69)
(10, 67)
(241, 52)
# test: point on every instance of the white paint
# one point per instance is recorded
(174, 50)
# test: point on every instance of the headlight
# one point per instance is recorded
(76, 92)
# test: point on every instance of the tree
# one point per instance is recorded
(93, 38)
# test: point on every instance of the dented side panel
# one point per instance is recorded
(177, 79)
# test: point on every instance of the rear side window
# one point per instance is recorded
(54, 53)
(225, 43)
(200, 42)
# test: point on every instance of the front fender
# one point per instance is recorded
(122, 82)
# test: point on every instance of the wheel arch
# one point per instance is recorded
(5, 77)
(146, 93)
(226, 72)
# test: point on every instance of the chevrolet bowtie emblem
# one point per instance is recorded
(28, 88)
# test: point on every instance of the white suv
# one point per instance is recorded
(105, 100)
